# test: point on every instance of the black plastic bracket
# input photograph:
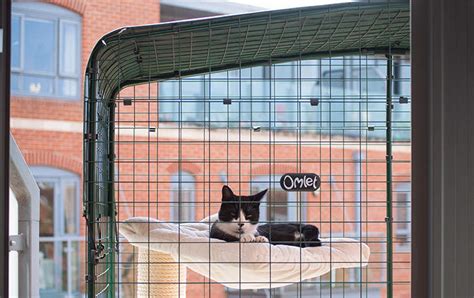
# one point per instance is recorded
(89, 136)
(403, 100)
(314, 101)
(90, 278)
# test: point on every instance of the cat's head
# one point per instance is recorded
(240, 212)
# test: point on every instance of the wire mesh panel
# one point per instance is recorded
(163, 150)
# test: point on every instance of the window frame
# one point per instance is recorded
(59, 16)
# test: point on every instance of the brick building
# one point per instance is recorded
(47, 113)
(51, 43)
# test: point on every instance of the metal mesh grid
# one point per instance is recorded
(164, 149)
(134, 55)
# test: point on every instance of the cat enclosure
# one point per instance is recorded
(174, 111)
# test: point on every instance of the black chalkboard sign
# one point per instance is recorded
(300, 182)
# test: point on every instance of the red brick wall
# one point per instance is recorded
(331, 209)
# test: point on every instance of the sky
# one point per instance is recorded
(277, 4)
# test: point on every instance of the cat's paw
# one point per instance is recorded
(261, 239)
(247, 238)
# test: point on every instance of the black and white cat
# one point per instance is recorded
(238, 221)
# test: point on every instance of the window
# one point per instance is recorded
(371, 80)
(402, 213)
(60, 238)
(333, 79)
(277, 205)
(182, 197)
(45, 51)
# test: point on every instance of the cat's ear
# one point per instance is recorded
(258, 197)
(227, 194)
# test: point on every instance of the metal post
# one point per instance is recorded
(89, 176)
(5, 15)
(27, 193)
(389, 217)
(112, 232)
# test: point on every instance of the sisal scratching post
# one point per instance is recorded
(159, 275)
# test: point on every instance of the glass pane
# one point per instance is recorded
(183, 197)
(175, 204)
(47, 266)
(47, 193)
(70, 210)
(402, 217)
(38, 85)
(186, 206)
(68, 87)
(14, 82)
(65, 250)
(39, 46)
(168, 105)
(402, 210)
(15, 42)
(69, 48)
(75, 268)
(278, 210)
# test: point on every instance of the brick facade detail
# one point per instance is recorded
(78, 6)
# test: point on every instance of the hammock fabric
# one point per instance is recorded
(241, 265)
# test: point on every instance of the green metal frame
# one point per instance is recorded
(389, 158)
(134, 55)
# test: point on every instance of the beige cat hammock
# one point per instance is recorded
(172, 248)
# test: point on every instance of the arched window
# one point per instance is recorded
(60, 238)
(278, 205)
(45, 51)
(182, 197)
